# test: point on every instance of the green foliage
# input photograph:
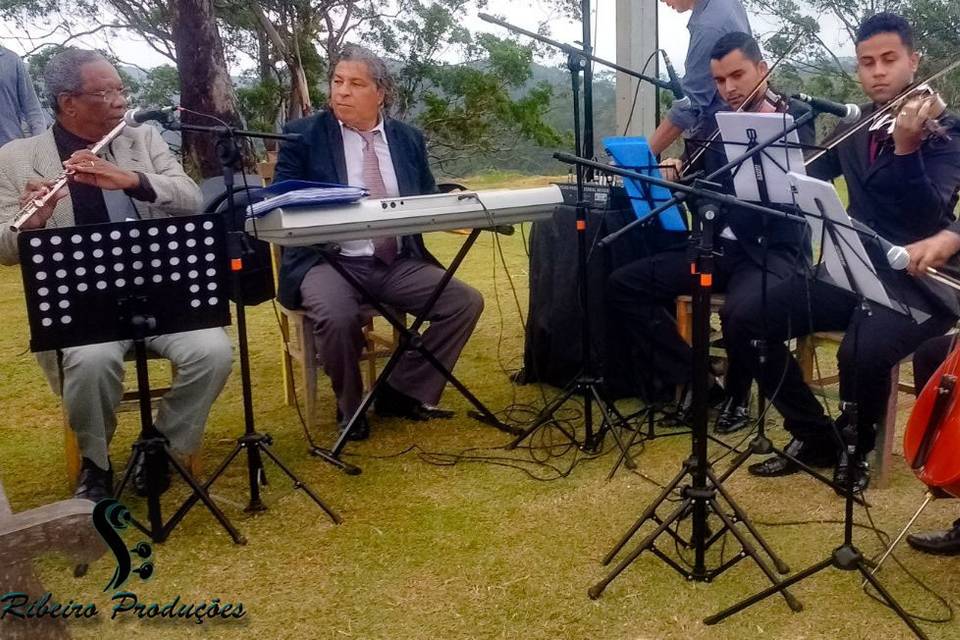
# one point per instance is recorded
(260, 104)
(477, 108)
(159, 88)
(813, 67)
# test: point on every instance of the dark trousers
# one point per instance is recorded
(641, 326)
(874, 341)
(927, 359)
(336, 309)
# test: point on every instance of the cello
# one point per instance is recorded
(931, 443)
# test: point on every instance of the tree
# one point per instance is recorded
(814, 65)
(205, 85)
(482, 105)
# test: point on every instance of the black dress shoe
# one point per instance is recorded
(809, 454)
(943, 543)
(732, 418)
(94, 484)
(140, 475)
(395, 404)
(360, 430)
(861, 474)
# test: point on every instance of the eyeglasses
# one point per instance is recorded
(107, 95)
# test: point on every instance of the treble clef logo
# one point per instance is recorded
(109, 518)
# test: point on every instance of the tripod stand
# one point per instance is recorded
(252, 441)
(128, 281)
(846, 557)
(586, 385)
(154, 451)
(699, 498)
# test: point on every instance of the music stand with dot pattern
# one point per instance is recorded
(130, 280)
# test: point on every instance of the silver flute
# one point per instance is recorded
(27, 211)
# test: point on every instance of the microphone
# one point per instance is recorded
(136, 117)
(897, 257)
(675, 86)
(848, 113)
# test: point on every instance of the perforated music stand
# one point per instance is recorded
(129, 281)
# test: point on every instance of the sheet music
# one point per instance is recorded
(738, 129)
(817, 199)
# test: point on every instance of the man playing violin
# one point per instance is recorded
(137, 177)
(640, 294)
(904, 187)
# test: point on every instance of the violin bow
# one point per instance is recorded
(753, 94)
(882, 110)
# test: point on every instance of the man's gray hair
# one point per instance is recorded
(375, 65)
(62, 73)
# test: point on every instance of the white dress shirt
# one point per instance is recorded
(353, 154)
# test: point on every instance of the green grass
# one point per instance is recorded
(465, 551)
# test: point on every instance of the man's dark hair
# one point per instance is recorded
(737, 40)
(886, 22)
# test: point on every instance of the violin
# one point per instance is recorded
(917, 97)
(931, 443)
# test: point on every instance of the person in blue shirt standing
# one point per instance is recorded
(18, 100)
(709, 21)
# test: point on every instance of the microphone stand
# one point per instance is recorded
(254, 442)
(587, 385)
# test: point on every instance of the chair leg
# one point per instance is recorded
(806, 351)
(684, 321)
(286, 362)
(887, 433)
(370, 355)
(71, 450)
(195, 464)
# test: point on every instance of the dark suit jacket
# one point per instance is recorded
(785, 236)
(904, 199)
(318, 156)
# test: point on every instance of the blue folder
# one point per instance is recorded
(634, 154)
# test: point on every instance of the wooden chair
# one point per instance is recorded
(64, 527)
(297, 346)
(883, 452)
(685, 315)
(806, 349)
(128, 402)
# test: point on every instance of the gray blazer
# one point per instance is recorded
(136, 149)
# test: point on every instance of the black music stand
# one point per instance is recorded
(129, 281)
(853, 271)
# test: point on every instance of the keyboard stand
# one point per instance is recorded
(410, 339)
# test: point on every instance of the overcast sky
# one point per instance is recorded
(523, 13)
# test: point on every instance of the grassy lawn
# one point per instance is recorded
(467, 550)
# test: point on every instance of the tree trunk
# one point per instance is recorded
(205, 84)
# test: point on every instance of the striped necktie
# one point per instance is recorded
(384, 249)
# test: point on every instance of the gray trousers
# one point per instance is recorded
(335, 308)
(92, 387)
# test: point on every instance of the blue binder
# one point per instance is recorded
(634, 154)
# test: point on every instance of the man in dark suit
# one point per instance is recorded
(903, 186)
(641, 294)
(354, 143)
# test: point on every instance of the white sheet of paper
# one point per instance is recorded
(737, 129)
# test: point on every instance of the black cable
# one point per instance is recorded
(636, 91)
